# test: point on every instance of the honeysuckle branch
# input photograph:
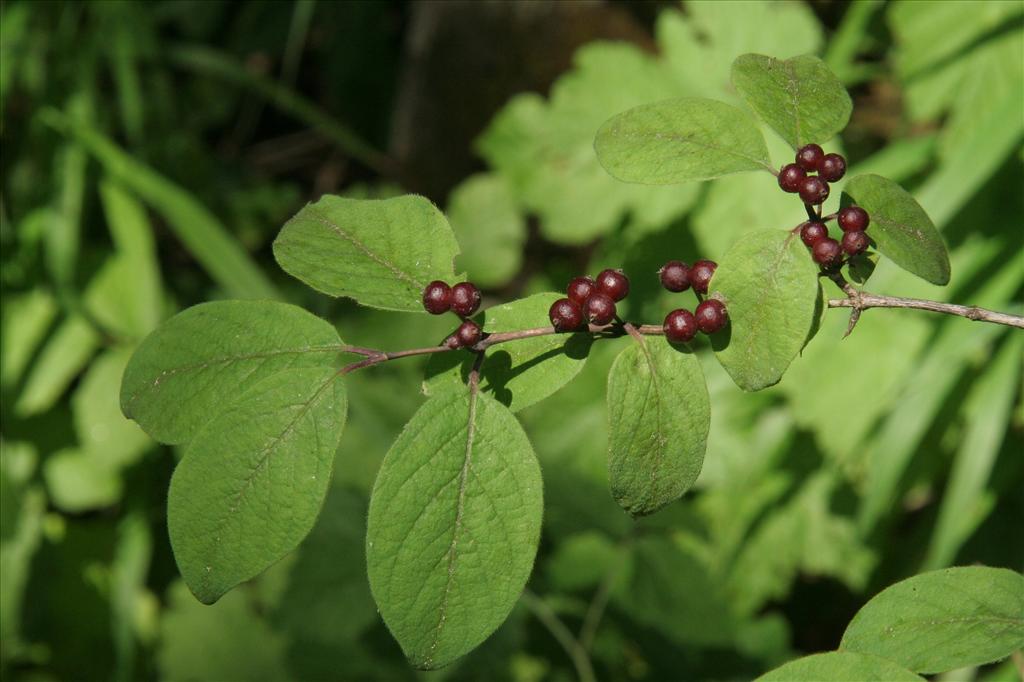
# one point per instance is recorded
(862, 300)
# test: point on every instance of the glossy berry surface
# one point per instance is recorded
(790, 178)
(809, 157)
(680, 326)
(599, 309)
(580, 289)
(565, 315)
(813, 190)
(711, 316)
(468, 334)
(465, 299)
(853, 219)
(437, 297)
(855, 242)
(700, 275)
(614, 284)
(812, 233)
(827, 252)
(675, 276)
(832, 168)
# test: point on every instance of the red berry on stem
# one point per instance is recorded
(465, 299)
(700, 275)
(855, 242)
(565, 315)
(468, 334)
(680, 326)
(790, 177)
(853, 219)
(437, 297)
(711, 316)
(599, 309)
(832, 168)
(809, 157)
(812, 233)
(813, 190)
(613, 283)
(675, 276)
(827, 252)
(580, 289)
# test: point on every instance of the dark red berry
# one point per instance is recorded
(437, 297)
(853, 219)
(855, 242)
(827, 252)
(465, 299)
(812, 233)
(613, 283)
(468, 333)
(599, 309)
(809, 157)
(565, 315)
(700, 275)
(832, 168)
(790, 177)
(813, 190)
(680, 326)
(711, 316)
(675, 276)
(580, 289)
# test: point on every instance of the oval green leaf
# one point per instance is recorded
(680, 140)
(380, 252)
(182, 373)
(769, 285)
(943, 620)
(659, 414)
(252, 481)
(840, 666)
(800, 98)
(453, 526)
(520, 373)
(899, 227)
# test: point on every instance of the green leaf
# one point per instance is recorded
(61, 359)
(79, 481)
(453, 526)
(519, 373)
(840, 666)
(183, 372)
(253, 479)
(800, 98)
(380, 252)
(659, 413)
(943, 620)
(900, 227)
(490, 229)
(26, 318)
(99, 424)
(680, 140)
(769, 285)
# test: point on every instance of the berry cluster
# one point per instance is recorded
(591, 299)
(853, 220)
(463, 299)
(795, 178)
(681, 325)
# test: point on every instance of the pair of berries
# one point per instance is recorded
(813, 189)
(590, 299)
(853, 221)
(463, 299)
(677, 276)
(681, 325)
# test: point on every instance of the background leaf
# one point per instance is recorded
(840, 666)
(490, 230)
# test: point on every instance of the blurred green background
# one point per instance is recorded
(151, 151)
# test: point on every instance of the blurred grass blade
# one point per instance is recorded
(63, 235)
(849, 39)
(128, 581)
(26, 319)
(214, 63)
(62, 358)
(986, 415)
(201, 232)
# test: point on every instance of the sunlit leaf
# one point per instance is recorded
(840, 666)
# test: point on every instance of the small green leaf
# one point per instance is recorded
(680, 140)
(769, 285)
(490, 229)
(659, 412)
(943, 620)
(80, 481)
(184, 371)
(253, 479)
(101, 427)
(800, 98)
(520, 373)
(453, 526)
(64, 355)
(900, 227)
(380, 252)
(840, 666)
